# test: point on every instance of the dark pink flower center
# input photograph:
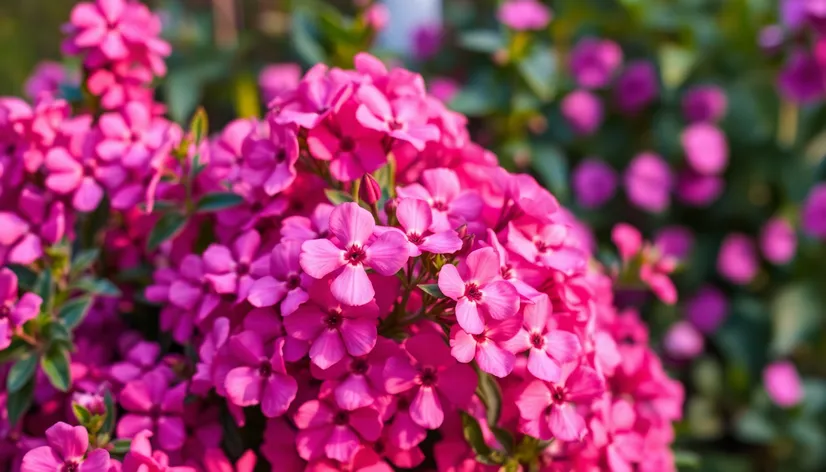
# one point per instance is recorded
(70, 466)
(558, 394)
(341, 418)
(281, 155)
(378, 446)
(293, 281)
(472, 292)
(480, 338)
(415, 238)
(355, 254)
(395, 125)
(333, 320)
(347, 144)
(537, 340)
(265, 368)
(506, 272)
(5, 311)
(359, 366)
(540, 245)
(439, 205)
(242, 268)
(428, 376)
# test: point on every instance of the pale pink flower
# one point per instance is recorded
(548, 348)
(261, 378)
(66, 451)
(546, 246)
(416, 220)
(437, 379)
(328, 431)
(152, 404)
(303, 228)
(333, 329)
(613, 432)
(451, 205)
(549, 410)
(403, 118)
(354, 250)
(479, 291)
(488, 348)
(782, 383)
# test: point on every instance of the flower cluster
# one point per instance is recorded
(349, 282)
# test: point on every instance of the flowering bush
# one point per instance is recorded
(350, 284)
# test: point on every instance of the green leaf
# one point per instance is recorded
(504, 437)
(21, 372)
(120, 446)
(796, 316)
(72, 313)
(432, 290)
(539, 71)
(686, 459)
(26, 278)
(83, 260)
(552, 166)
(754, 427)
(56, 331)
(491, 395)
(17, 348)
(81, 413)
(167, 227)
(109, 418)
(473, 435)
(102, 287)
(303, 41)
(337, 197)
(218, 201)
(676, 63)
(44, 287)
(182, 90)
(55, 365)
(19, 402)
(199, 126)
(487, 41)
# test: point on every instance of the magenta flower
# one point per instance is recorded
(141, 457)
(331, 328)
(275, 79)
(782, 383)
(737, 260)
(513, 269)
(68, 175)
(353, 252)
(549, 410)
(705, 147)
(698, 190)
(707, 308)
(437, 379)
(674, 241)
(152, 404)
(261, 378)
(637, 87)
(595, 61)
(594, 182)
(351, 149)
(46, 79)
(489, 348)
(451, 206)
(704, 103)
(478, 290)
(614, 432)
(359, 381)
(778, 241)
(583, 111)
(186, 289)
(14, 312)
(522, 15)
(320, 93)
(427, 40)
(105, 25)
(302, 228)
(416, 221)
(65, 451)
(131, 136)
(683, 341)
(287, 283)
(22, 241)
(813, 213)
(328, 431)
(228, 269)
(546, 246)
(801, 79)
(648, 182)
(139, 359)
(270, 155)
(548, 348)
(403, 118)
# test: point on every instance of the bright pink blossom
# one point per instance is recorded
(451, 205)
(416, 220)
(327, 431)
(66, 451)
(402, 118)
(152, 404)
(489, 348)
(14, 312)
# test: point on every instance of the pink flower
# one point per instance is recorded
(131, 136)
(595, 61)
(778, 241)
(451, 205)
(320, 93)
(583, 111)
(270, 155)
(351, 149)
(66, 450)
(737, 260)
(478, 290)
(141, 458)
(328, 431)
(354, 250)
(782, 383)
(403, 118)
(613, 432)
(706, 149)
(436, 378)
(302, 228)
(683, 341)
(524, 15)
(286, 283)
(104, 24)
(549, 410)
(22, 240)
(488, 348)
(186, 289)
(628, 240)
(79, 177)
(359, 380)
(228, 269)
(416, 221)
(333, 329)
(546, 246)
(14, 312)
(648, 182)
(261, 378)
(276, 79)
(813, 213)
(705, 103)
(152, 404)
(548, 348)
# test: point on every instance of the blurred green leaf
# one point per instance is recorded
(55, 365)
(303, 40)
(488, 41)
(167, 227)
(796, 316)
(199, 126)
(109, 414)
(432, 290)
(19, 402)
(337, 197)
(183, 92)
(83, 260)
(21, 372)
(473, 435)
(491, 395)
(676, 63)
(74, 311)
(218, 201)
(753, 427)
(102, 287)
(26, 278)
(538, 70)
(552, 166)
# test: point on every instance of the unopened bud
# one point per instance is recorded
(370, 190)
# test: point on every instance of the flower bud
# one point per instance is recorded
(370, 190)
